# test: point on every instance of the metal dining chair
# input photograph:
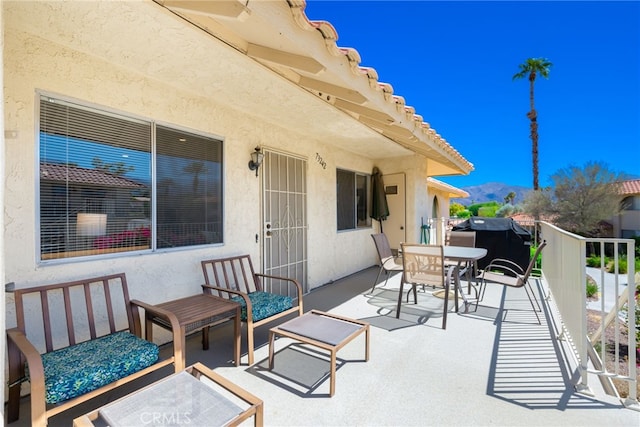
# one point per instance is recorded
(423, 265)
(388, 262)
(507, 273)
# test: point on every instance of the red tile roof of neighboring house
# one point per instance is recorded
(630, 187)
(78, 175)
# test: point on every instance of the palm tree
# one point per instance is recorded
(509, 198)
(532, 67)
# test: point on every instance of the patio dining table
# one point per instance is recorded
(461, 255)
(457, 256)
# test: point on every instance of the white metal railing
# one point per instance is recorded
(564, 270)
(437, 228)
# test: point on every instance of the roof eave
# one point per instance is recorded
(280, 36)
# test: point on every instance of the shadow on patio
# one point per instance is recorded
(495, 366)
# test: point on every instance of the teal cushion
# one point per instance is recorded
(264, 304)
(81, 368)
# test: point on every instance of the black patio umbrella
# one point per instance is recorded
(379, 206)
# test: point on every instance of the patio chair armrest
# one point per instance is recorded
(19, 341)
(287, 279)
(244, 296)
(167, 316)
(393, 261)
(503, 269)
(19, 346)
(505, 264)
(449, 274)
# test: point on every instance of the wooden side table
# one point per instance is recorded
(194, 313)
(195, 396)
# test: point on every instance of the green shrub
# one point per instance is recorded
(592, 288)
(488, 211)
(623, 266)
(593, 261)
(637, 246)
(474, 208)
(532, 252)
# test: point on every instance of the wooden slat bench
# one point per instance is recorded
(92, 339)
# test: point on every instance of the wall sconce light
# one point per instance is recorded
(256, 160)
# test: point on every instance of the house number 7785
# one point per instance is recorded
(321, 161)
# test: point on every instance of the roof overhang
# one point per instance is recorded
(451, 191)
(278, 35)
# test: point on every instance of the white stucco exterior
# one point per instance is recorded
(138, 58)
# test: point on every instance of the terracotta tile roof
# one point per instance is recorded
(330, 35)
(296, 47)
(78, 175)
(630, 187)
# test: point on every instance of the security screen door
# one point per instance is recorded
(285, 216)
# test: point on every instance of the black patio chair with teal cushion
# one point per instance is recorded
(76, 340)
(264, 298)
(507, 273)
(388, 262)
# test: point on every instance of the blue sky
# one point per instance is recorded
(454, 62)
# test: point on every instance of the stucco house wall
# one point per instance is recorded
(38, 59)
(627, 223)
(630, 223)
(72, 52)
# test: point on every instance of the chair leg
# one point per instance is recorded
(388, 275)
(399, 299)
(527, 289)
(482, 289)
(250, 342)
(534, 297)
(378, 277)
(414, 288)
(446, 304)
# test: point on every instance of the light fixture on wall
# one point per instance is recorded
(91, 224)
(256, 160)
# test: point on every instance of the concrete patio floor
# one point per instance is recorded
(496, 366)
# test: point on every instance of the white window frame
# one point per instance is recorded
(205, 232)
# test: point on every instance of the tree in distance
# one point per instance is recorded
(579, 199)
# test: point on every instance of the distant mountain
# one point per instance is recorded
(491, 192)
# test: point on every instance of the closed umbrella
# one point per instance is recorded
(379, 206)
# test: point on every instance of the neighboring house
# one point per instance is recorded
(173, 100)
(441, 194)
(627, 223)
